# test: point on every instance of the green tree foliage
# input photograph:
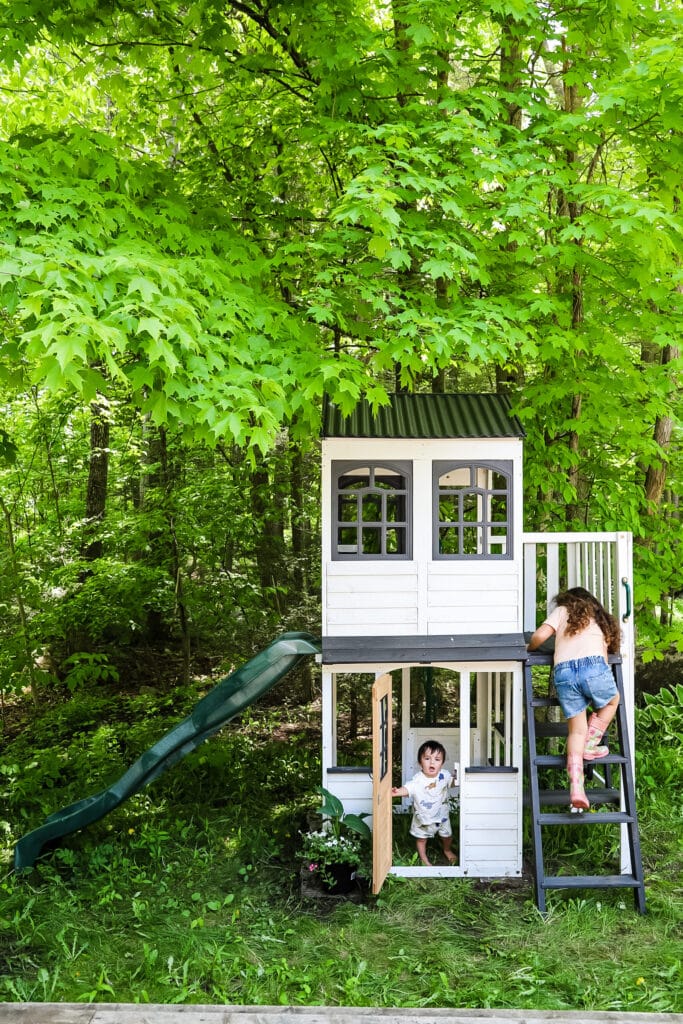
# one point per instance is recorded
(211, 215)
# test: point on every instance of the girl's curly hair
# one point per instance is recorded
(581, 608)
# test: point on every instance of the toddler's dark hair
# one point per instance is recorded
(431, 747)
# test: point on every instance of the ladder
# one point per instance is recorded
(606, 794)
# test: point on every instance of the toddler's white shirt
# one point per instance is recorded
(430, 797)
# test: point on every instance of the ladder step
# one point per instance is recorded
(544, 702)
(560, 760)
(551, 729)
(585, 818)
(591, 882)
(596, 795)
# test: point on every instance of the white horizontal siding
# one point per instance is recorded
(473, 619)
(381, 582)
(371, 599)
(486, 790)
(370, 569)
(439, 611)
(443, 585)
(354, 790)
(366, 628)
(354, 599)
(355, 616)
(491, 824)
(481, 597)
(478, 825)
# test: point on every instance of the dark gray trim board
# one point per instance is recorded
(423, 650)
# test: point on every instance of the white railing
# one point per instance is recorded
(600, 562)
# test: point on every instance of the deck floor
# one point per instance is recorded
(133, 1013)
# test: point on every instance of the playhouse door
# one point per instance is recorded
(381, 781)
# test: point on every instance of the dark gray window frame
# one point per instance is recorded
(505, 468)
(342, 466)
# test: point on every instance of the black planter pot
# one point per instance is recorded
(342, 878)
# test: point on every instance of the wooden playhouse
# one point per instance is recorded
(428, 586)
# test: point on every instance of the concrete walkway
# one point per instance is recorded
(132, 1013)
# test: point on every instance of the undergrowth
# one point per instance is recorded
(190, 891)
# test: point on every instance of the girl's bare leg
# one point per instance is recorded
(607, 713)
(576, 740)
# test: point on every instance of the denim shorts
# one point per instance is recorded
(582, 682)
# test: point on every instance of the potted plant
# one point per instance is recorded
(335, 852)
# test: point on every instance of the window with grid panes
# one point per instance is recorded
(472, 510)
(371, 510)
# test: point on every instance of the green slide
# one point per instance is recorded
(228, 697)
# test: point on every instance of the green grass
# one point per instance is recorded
(189, 893)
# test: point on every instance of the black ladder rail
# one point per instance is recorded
(626, 815)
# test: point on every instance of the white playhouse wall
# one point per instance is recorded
(422, 596)
(488, 822)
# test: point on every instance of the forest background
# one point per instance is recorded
(214, 215)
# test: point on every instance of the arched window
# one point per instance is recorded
(472, 510)
(371, 510)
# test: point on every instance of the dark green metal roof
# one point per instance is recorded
(426, 416)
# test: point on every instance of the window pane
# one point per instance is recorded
(499, 542)
(396, 508)
(372, 508)
(483, 477)
(471, 508)
(372, 540)
(396, 540)
(354, 479)
(449, 509)
(471, 540)
(461, 477)
(449, 541)
(347, 540)
(499, 482)
(348, 509)
(387, 478)
(499, 509)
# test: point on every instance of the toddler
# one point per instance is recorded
(429, 792)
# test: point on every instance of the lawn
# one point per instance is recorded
(190, 892)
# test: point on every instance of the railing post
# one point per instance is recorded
(530, 572)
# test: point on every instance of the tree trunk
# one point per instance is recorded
(572, 103)
(268, 533)
(98, 474)
(511, 79)
(24, 617)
